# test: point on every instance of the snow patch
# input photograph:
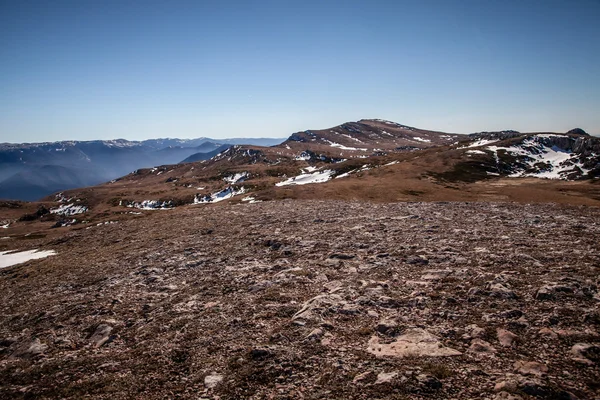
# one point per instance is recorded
(304, 156)
(480, 142)
(475, 152)
(550, 162)
(224, 194)
(304, 179)
(152, 205)
(68, 210)
(251, 200)
(236, 178)
(342, 147)
(420, 139)
(9, 258)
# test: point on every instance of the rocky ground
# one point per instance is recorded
(310, 300)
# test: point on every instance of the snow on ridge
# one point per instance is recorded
(420, 139)
(342, 147)
(153, 205)
(69, 210)
(480, 142)
(304, 179)
(304, 156)
(558, 162)
(14, 257)
(475, 152)
(61, 198)
(251, 200)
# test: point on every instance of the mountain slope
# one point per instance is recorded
(367, 137)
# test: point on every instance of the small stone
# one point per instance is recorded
(386, 327)
(507, 396)
(385, 377)
(429, 382)
(544, 293)
(101, 335)
(362, 377)
(586, 353)
(260, 353)
(473, 331)
(212, 380)
(508, 386)
(481, 347)
(531, 368)
(548, 332)
(30, 350)
(505, 337)
(316, 334)
(501, 291)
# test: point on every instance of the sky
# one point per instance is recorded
(84, 69)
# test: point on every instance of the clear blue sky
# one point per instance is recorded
(108, 69)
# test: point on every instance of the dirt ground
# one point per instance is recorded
(299, 299)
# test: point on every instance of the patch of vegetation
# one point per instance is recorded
(36, 215)
(413, 192)
(467, 171)
(439, 370)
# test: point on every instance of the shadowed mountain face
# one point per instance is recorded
(33, 170)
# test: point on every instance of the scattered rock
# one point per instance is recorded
(501, 291)
(481, 347)
(428, 382)
(31, 349)
(505, 337)
(531, 368)
(362, 377)
(387, 327)
(212, 380)
(386, 377)
(507, 396)
(260, 353)
(101, 335)
(316, 334)
(586, 353)
(473, 331)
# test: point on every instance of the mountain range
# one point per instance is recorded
(30, 171)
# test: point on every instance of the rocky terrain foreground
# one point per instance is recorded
(309, 300)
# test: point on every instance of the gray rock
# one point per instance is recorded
(386, 377)
(101, 335)
(31, 349)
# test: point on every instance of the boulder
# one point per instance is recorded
(413, 342)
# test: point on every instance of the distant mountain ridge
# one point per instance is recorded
(29, 171)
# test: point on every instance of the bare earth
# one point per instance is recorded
(310, 299)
